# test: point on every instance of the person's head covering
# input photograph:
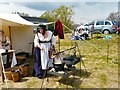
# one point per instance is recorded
(42, 26)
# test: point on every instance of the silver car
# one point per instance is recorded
(103, 26)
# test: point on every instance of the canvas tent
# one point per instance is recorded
(19, 30)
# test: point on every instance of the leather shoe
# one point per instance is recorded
(40, 76)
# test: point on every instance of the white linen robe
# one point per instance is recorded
(46, 62)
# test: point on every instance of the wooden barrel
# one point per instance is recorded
(20, 59)
(24, 69)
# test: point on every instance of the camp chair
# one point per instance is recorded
(9, 56)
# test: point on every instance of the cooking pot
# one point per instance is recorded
(59, 67)
(71, 60)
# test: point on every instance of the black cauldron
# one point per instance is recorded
(71, 60)
(59, 67)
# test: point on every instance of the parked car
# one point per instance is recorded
(118, 30)
(105, 26)
(100, 26)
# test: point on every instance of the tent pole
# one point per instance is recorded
(10, 37)
(58, 39)
(3, 71)
(59, 43)
(107, 51)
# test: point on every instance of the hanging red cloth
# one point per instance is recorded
(59, 30)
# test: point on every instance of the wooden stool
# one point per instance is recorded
(20, 59)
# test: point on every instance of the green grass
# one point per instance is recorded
(94, 52)
(100, 73)
(103, 80)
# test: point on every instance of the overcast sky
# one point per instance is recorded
(84, 10)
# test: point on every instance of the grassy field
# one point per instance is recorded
(102, 72)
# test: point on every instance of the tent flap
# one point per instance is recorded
(14, 18)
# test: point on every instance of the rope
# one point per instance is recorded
(66, 27)
(85, 40)
(95, 47)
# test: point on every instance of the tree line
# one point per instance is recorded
(64, 14)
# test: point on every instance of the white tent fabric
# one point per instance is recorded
(44, 23)
(13, 19)
(47, 23)
(20, 31)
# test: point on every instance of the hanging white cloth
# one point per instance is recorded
(4, 59)
(46, 47)
(14, 61)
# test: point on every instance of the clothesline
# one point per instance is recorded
(66, 27)
(54, 23)
(86, 41)
(63, 25)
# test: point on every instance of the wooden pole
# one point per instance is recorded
(58, 37)
(3, 71)
(107, 50)
(59, 44)
(10, 37)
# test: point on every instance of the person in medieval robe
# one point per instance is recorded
(43, 40)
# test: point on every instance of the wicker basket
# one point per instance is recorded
(15, 76)
(24, 69)
(8, 75)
